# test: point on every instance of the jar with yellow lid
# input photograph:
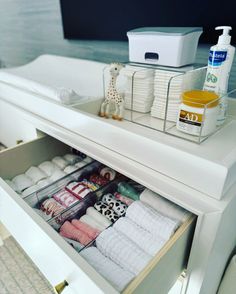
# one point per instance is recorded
(198, 112)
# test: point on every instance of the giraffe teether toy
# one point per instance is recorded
(112, 95)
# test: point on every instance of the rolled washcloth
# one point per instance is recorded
(122, 251)
(139, 236)
(97, 216)
(117, 276)
(48, 167)
(61, 94)
(72, 158)
(87, 219)
(70, 231)
(35, 174)
(164, 206)
(22, 182)
(148, 218)
(60, 162)
(87, 229)
(70, 169)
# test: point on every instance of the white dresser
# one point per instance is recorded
(200, 178)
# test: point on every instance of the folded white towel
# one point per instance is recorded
(12, 185)
(87, 219)
(88, 159)
(164, 206)
(57, 174)
(144, 239)
(60, 162)
(30, 190)
(157, 224)
(75, 244)
(117, 276)
(22, 182)
(72, 158)
(70, 169)
(122, 251)
(35, 174)
(61, 94)
(43, 183)
(80, 164)
(105, 222)
(48, 167)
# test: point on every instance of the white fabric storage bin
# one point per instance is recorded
(169, 46)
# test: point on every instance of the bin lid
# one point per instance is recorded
(174, 31)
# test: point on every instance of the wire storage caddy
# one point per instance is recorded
(169, 100)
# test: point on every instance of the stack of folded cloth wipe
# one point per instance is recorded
(46, 173)
(164, 206)
(112, 272)
(72, 193)
(132, 241)
(163, 81)
(139, 88)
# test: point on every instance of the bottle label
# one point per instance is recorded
(190, 122)
(216, 58)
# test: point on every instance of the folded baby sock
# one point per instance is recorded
(97, 216)
(43, 183)
(139, 236)
(122, 251)
(88, 159)
(78, 189)
(69, 231)
(164, 206)
(35, 174)
(112, 272)
(51, 207)
(65, 198)
(87, 229)
(80, 164)
(157, 224)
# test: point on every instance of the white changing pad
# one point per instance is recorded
(53, 72)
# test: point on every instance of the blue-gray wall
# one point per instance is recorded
(29, 28)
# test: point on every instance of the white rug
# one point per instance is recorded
(18, 274)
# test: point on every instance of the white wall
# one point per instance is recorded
(31, 28)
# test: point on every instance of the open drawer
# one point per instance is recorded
(56, 259)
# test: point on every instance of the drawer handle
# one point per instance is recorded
(61, 286)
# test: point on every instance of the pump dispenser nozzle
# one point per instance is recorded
(225, 38)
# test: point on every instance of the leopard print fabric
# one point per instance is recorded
(105, 210)
(118, 206)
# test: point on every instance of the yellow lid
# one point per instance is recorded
(200, 98)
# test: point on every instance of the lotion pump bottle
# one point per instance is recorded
(219, 65)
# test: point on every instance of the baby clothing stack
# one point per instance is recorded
(167, 83)
(46, 173)
(140, 83)
(133, 240)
